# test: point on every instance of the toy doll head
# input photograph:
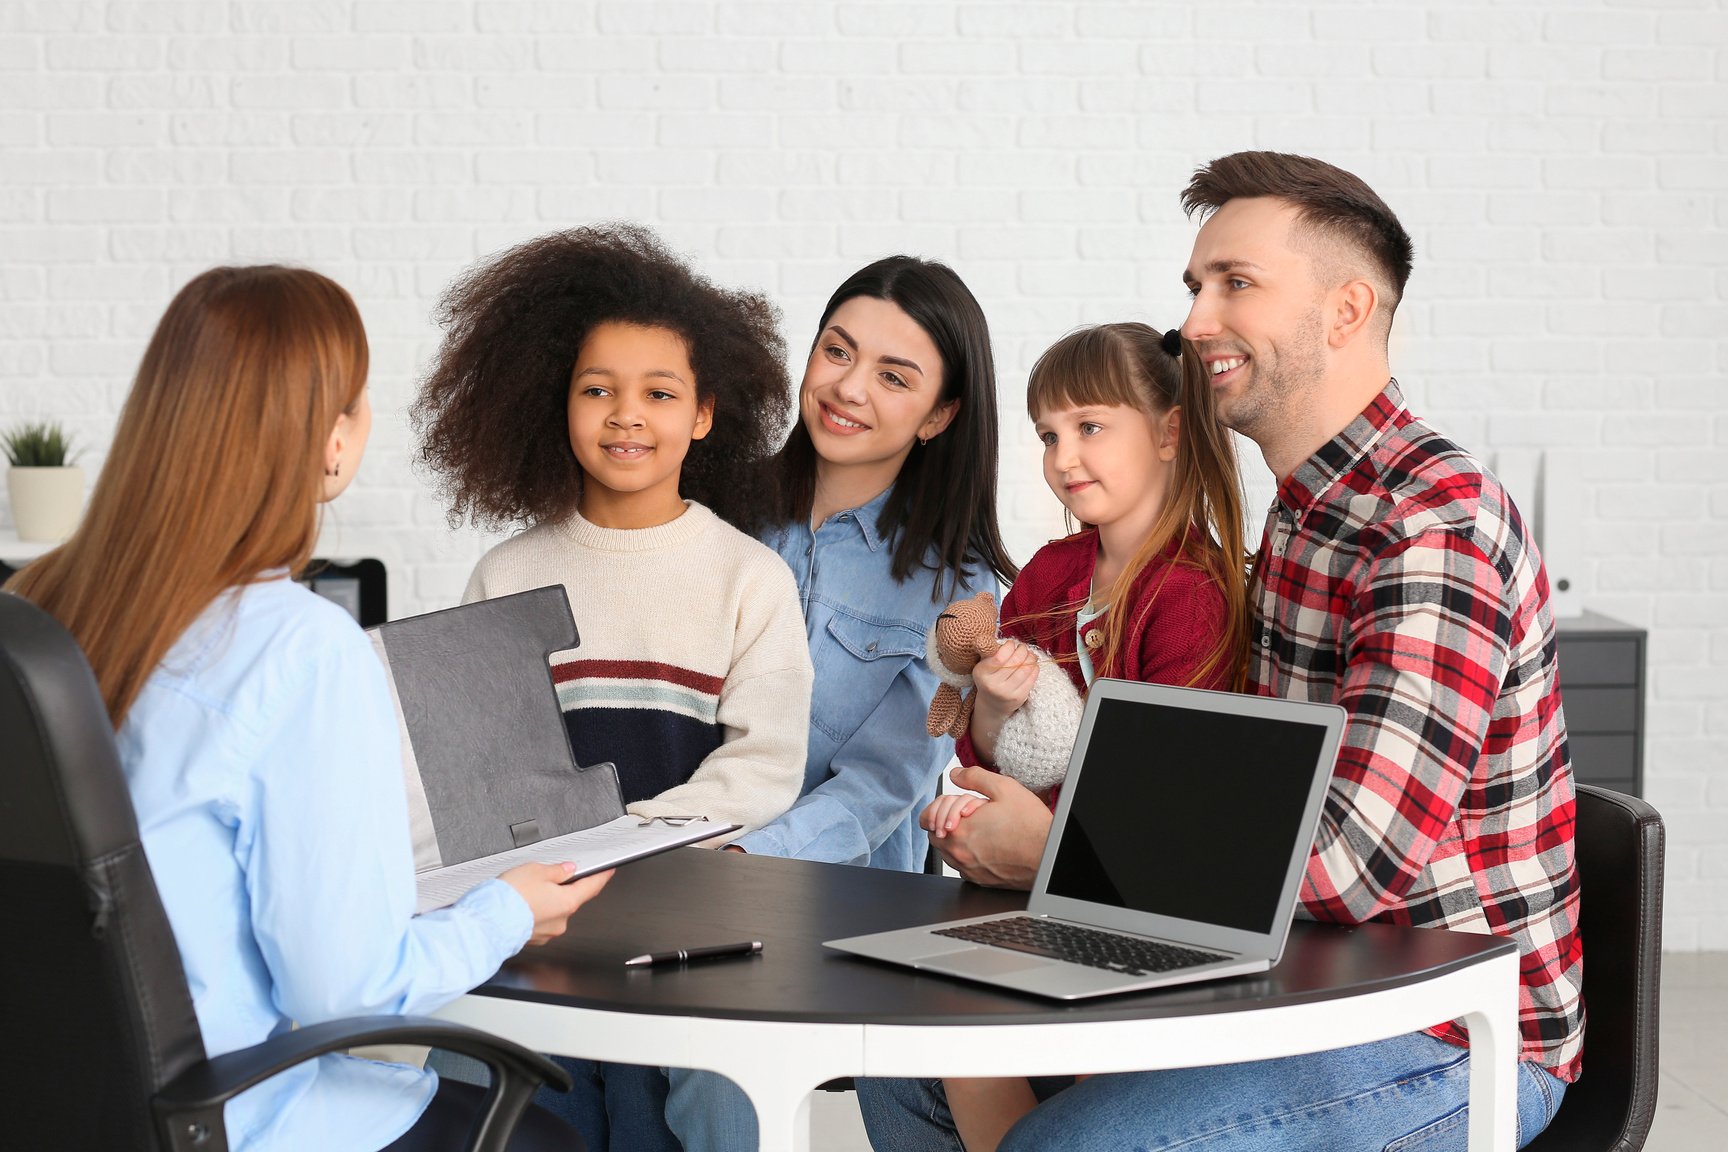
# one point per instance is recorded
(494, 413)
(963, 634)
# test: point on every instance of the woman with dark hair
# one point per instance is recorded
(887, 491)
(887, 511)
(939, 492)
(254, 724)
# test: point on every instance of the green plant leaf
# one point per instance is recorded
(44, 444)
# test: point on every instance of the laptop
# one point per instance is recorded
(1175, 854)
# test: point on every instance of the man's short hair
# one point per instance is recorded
(1328, 200)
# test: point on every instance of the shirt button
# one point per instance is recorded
(1266, 638)
(870, 647)
(809, 548)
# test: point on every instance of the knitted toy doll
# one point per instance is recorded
(1037, 740)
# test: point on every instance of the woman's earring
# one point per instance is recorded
(336, 471)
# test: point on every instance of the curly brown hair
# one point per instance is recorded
(492, 414)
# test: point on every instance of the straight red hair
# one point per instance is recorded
(216, 471)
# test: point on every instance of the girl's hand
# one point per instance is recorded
(552, 896)
(944, 813)
(1005, 679)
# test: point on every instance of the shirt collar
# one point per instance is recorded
(1315, 475)
(865, 518)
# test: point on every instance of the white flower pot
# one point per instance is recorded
(46, 502)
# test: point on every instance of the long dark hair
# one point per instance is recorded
(944, 499)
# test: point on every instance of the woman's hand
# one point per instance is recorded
(943, 814)
(552, 896)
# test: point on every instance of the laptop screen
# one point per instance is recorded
(1187, 813)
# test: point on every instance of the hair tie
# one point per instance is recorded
(1171, 342)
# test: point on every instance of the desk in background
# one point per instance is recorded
(1602, 689)
(799, 1015)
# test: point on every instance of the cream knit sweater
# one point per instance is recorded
(692, 673)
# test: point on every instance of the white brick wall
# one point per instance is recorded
(1562, 164)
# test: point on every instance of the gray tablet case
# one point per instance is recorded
(486, 757)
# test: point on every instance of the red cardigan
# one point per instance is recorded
(1179, 615)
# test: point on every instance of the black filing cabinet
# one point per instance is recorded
(1602, 691)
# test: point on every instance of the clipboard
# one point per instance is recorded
(486, 757)
(592, 850)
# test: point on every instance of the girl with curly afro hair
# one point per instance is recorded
(594, 389)
(494, 410)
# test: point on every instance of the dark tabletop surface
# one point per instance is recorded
(694, 896)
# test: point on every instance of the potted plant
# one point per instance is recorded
(46, 488)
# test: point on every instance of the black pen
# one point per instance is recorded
(684, 955)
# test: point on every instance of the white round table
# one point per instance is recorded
(799, 1015)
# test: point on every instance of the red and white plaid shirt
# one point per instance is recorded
(1396, 579)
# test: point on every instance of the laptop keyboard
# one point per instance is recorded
(1088, 946)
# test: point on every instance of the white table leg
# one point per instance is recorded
(777, 1066)
(1494, 1043)
(782, 1113)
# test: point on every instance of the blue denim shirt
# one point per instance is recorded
(871, 766)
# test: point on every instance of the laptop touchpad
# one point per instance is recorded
(983, 961)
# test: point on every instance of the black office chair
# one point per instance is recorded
(360, 586)
(1619, 852)
(102, 1049)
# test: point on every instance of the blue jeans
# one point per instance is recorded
(1406, 1094)
(709, 1113)
(614, 1106)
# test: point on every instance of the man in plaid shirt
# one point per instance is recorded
(1396, 579)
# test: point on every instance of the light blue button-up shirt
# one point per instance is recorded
(264, 764)
(872, 766)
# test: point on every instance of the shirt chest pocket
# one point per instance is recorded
(857, 662)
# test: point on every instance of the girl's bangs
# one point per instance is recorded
(1087, 368)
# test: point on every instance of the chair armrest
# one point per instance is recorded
(189, 1107)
